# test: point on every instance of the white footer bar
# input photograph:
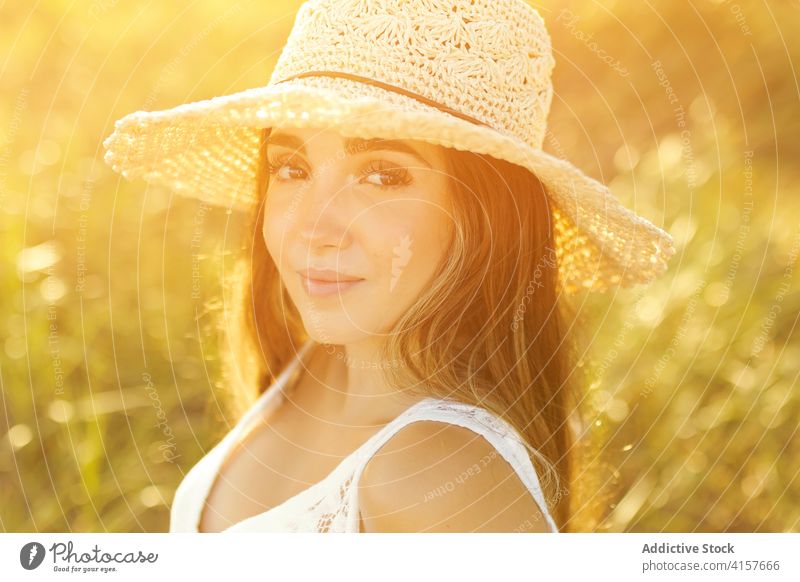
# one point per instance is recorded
(388, 557)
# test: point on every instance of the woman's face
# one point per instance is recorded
(356, 227)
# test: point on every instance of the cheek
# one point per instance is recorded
(407, 241)
(433, 233)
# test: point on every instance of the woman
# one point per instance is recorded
(410, 246)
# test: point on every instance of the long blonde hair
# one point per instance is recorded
(490, 330)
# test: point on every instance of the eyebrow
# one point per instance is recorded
(353, 146)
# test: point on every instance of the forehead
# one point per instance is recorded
(307, 138)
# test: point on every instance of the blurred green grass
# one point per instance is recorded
(108, 362)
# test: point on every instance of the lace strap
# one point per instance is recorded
(495, 430)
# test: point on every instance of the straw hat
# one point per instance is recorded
(466, 74)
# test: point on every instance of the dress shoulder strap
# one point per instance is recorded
(499, 433)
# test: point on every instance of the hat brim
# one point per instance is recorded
(209, 150)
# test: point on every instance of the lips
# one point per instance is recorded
(324, 282)
(328, 276)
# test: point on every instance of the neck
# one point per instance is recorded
(353, 382)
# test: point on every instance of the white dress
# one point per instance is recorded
(331, 505)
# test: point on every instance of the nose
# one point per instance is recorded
(321, 218)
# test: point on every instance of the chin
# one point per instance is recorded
(340, 326)
(345, 319)
(332, 334)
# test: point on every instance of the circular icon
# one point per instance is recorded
(31, 555)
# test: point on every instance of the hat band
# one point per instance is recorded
(388, 87)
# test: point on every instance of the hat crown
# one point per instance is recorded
(488, 59)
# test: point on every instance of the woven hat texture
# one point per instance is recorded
(473, 75)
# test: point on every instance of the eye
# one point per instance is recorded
(387, 176)
(377, 173)
(284, 170)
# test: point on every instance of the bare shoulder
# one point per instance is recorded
(434, 476)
